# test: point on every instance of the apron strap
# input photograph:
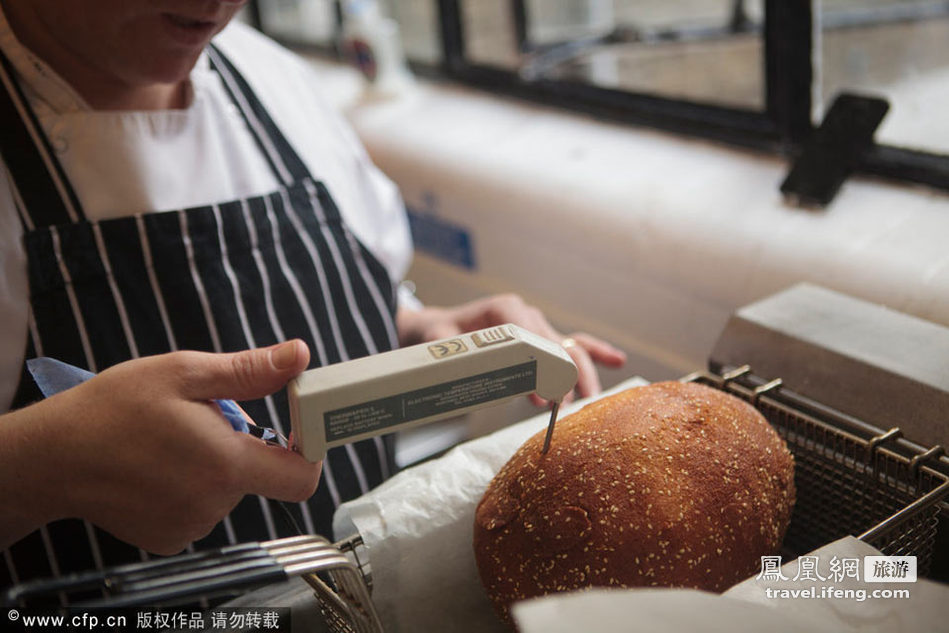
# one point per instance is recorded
(286, 164)
(44, 195)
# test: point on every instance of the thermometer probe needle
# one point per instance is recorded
(550, 428)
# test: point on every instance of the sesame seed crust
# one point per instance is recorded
(672, 484)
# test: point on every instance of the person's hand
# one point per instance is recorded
(141, 451)
(432, 323)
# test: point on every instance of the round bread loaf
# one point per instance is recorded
(672, 484)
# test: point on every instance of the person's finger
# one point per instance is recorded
(243, 375)
(599, 350)
(279, 473)
(588, 380)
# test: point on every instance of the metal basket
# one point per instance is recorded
(336, 575)
(852, 478)
(345, 602)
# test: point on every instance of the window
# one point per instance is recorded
(756, 73)
(896, 49)
(419, 27)
(312, 23)
(696, 50)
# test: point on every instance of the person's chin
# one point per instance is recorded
(167, 69)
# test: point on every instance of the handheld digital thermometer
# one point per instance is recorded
(342, 403)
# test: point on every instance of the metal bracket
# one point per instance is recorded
(832, 151)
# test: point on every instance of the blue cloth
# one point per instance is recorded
(53, 376)
(234, 415)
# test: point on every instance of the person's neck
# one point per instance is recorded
(117, 96)
(99, 90)
(114, 95)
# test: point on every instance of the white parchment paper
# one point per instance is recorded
(746, 606)
(418, 527)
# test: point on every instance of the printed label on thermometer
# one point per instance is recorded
(429, 401)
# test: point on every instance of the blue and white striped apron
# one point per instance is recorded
(222, 278)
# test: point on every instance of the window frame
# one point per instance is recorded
(781, 127)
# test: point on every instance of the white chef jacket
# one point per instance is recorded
(175, 159)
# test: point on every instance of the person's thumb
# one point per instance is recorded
(247, 375)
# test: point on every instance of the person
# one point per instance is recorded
(191, 221)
